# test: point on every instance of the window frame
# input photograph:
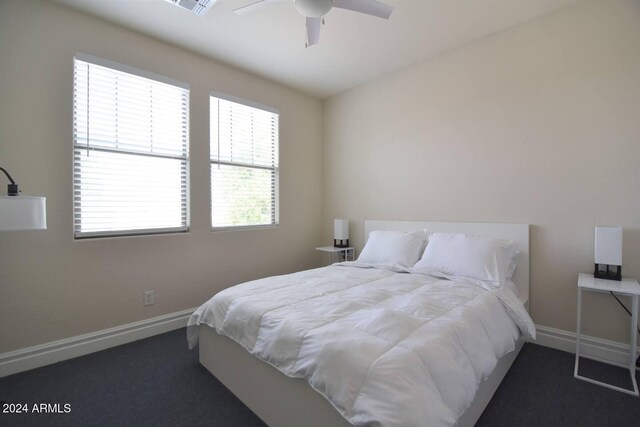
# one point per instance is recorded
(116, 66)
(276, 169)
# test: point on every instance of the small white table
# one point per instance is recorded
(627, 287)
(342, 254)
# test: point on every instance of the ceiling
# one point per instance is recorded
(354, 48)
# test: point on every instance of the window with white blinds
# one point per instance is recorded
(131, 151)
(244, 163)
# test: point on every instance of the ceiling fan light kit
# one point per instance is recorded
(315, 10)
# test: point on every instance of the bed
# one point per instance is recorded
(287, 400)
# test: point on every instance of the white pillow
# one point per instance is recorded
(480, 260)
(513, 263)
(393, 248)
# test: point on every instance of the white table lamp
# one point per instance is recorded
(21, 212)
(608, 253)
(341, 233)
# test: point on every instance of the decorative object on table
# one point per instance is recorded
(608, 253)
(341, 233)
(21, 212)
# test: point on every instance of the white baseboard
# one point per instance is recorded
(612, 352)
(24, 359)
(12, 362)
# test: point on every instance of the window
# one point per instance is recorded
(130, 156)
(244, 163)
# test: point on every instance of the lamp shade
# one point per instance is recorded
(608, 245)
(22, 213)
(341, 229)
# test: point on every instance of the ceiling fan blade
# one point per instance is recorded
(369, 7)
(251, 7)
(313, 31)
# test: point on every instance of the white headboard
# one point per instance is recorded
(518, 233)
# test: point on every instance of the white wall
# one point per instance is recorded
(51, 286)
(537, 124)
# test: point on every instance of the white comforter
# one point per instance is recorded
(384, 348)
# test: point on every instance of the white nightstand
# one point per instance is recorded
(627, 287)
(342, 254)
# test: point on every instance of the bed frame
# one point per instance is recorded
(281, 401)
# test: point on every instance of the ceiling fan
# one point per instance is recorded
(314, 11)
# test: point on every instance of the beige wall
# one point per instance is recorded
(538, 124)
(51, 286)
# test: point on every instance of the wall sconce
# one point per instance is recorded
(21, 212)
(608, 247)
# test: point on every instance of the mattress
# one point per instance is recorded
(384, 348)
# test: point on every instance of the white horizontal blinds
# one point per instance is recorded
(131, 147)
(244, 164)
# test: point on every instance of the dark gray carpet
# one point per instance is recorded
(540, 390)
(152, 382)
(158, 382)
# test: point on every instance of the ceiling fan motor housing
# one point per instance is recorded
(313, 8)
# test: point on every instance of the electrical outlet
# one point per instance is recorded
(149, 298)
